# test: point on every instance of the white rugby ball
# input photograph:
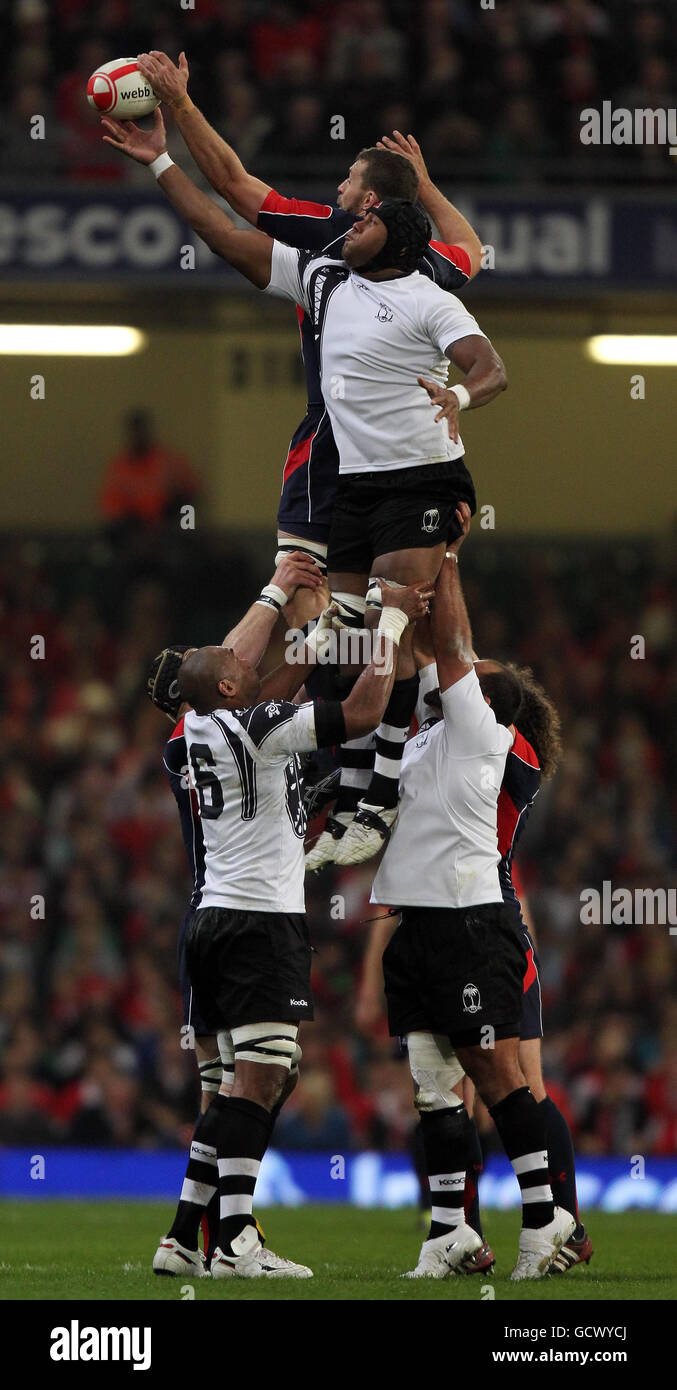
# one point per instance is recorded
(117, 89)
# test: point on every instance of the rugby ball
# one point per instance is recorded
(117, 89)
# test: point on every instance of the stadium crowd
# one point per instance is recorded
(492, 93)
(94, 883)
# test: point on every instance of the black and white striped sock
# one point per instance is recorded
(200, 1183)
(391, 737)
(357, 765)
(243, 1138)
(521, 1125)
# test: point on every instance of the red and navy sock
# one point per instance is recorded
(472, 1177)
(561, 1161)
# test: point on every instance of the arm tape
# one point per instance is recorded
(330, 725)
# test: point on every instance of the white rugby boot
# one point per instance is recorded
(251, 1260)
(447, 1254)
(172, 1258)
(538, 1248)
(326, 845)
(278, 1267)
(367, 834)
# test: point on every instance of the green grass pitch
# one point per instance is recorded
(103, 1250)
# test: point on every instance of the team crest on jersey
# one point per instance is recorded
(384, 314)
(431, 520)
(272, 708)
(472, 1002)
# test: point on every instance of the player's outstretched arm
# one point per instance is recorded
(452, 226)
(450, 625)
(219, 163)
(249, 252)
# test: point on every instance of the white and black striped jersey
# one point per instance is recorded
(246, 775)
(374, 338)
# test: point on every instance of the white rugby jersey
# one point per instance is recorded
(247, 778)
(374, 338)
(443, 851)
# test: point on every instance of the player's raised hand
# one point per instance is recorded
(297, 571)
(169, 82)
(448, 402)
(409, 148)
(414, 600)
(142, 145)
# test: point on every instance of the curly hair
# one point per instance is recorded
(538, 720)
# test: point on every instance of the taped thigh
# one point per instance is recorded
(227, 1055)
(315, 549)
(272, 1044)
(435, 1070)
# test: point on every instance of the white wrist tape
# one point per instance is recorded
(392, 623)
(272, 596)
(163, 161)
(463, 396)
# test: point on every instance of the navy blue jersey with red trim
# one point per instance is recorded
(521, 782)
(322, 227)
(313, 457)
(176, 768)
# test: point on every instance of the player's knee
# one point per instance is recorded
(264, 1056)
(265, 1085)
(434, 1075)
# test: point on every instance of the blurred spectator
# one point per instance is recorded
(20, 155)
(243, 122)
(286, 44)
(365, 46)
(312, 1119)
(518, 141)
(302, 127)
(147, 482)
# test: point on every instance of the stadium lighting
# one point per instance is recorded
(69, 340)
(633, 349)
